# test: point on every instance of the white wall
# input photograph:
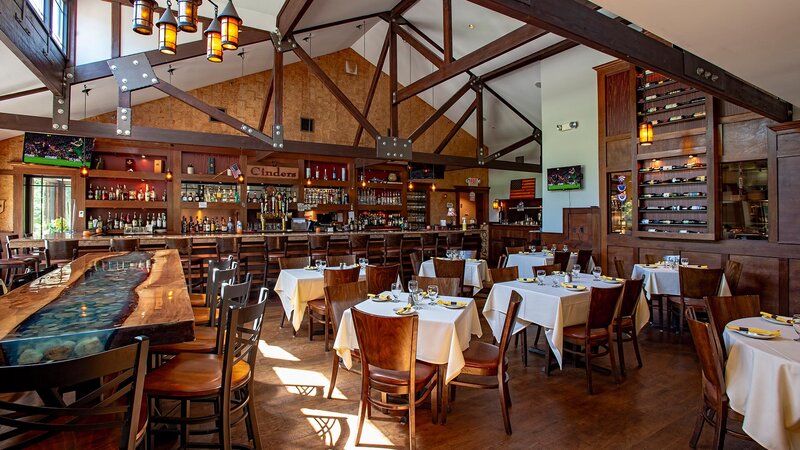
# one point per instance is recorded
(569, 93)
(499, 181)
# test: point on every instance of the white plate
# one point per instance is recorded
(750, 334)
(455, 306)
(611, 281)
(381, 300)
(776, 322)
(407, 312)
(581, 289)
(530, 280)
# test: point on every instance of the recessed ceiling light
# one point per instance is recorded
(471, 26)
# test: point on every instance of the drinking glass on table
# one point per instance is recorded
(796, 325)
(597, 271)
(553, 248)
(318, 265)
(433, 293)
(533, 248)
(397, 288)
(565, 249)
(413, 286)
(576, 271)
(684, 261)
(362, 262)
(540, 274)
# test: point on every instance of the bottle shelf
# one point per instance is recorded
(678, 169)
(663, 110)
(125, 204)
(667, 82)
(656, 225)
(212, 205)
(670, 211)
(682, 197)
(685, 119)
(380, 207)
(665, 184)
(326, 183)
(392, 186)
(667, 96)
(207, 178)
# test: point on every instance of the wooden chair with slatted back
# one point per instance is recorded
(625, 322)
(446, 268)
(715, 403)
(733, 273)
(380, 278)
(338, 299)
(201, 299)
(184, 247)
(294, 262)
(202, 314)
(392, 370)
(583, 260)
(489, 364)
(391, 247)
(513, 250)
(652, 259)
(111, 415)
(695, 284)
(416, 262)
(33, 261)
(455, 241)
(337, 260)
(316, 308)
(447, 286)
(428, 245)
(275, 248)
(359, 245)
(561, 259)
(503, 274)
(723, 310)
(318, 246)
(502, 261)
(595, 333)
(124, 245)
(548, 268)
(619, 265)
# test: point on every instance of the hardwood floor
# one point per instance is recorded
(655, 407)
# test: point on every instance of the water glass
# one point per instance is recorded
(433, 293)
(324, 264)
(413, 286)
(397, 288)
(318, 265)
(533, 248)
(684, 261)
(576, 270)
(565, 249)
(363, 262)
(796, 325)
(540, 274)
(597, 271)
(554, 248)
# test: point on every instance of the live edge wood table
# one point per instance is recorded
(97, 302)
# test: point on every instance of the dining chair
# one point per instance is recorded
(455, 241)
(714, 398)
(514, 250)
(124, 245)
(316, 309)
(562, 260)
(619, 265)
(275, 247)
(338, 299)
(489, 364)
(503, 274)
(447, 268)
(30, 276)
(318, 245)
(359, 243)
(294, 262)
(391, 248)
(502, 261)
(380, 278)
(336, 260)
(723, 310)
(375, 249)
(225, 378)
(625, 322)
(184, 247)
(695, 284)
(583, 260)
(110, 415)
(230, 245)
(416, 262)
(338, 247)
(447, 286)
(595, 333)
(428, 245)
(32, 260)
(60, 251)
(548, 268)
(652, 259)
(408, 246)
(733, 273)
(392, 370)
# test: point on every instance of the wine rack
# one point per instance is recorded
(417, 207)
(664, 102)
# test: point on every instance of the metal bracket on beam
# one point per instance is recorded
(476, 84)
(61, 110)
(283, 45)
(124, 121)
(700, 70)
(277, 135)
(537, 136)
(133, 72)
(393, 148)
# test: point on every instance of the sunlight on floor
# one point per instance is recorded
(328, 426)
(306, 382)
(273, 352)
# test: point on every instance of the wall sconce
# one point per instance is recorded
(240, 179)
(566, 126)
(410, 185)
(645, 133)
(433, 187)
(496, 204)
(143, 16)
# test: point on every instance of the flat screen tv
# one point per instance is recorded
(426, 171)
(56, 150)
(564, 178)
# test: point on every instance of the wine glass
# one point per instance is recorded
(597, 271)
(318, 265)
(324, 264)
(796, 325)
(565, 248)
(433, 293)
(413, 286)
(362, 262)
(684, 261)
(540, 274)
(554, 248)
(576, 271)
(533, 248)
(397, 288)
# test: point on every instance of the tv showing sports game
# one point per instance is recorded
(56, 150)
(564, 178)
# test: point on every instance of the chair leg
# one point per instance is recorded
(681, 319)
(613, 357)
(720, 428)
(548, 359)
(361, 416)
(327, 331)
(184, 427)
(310, 325)
(412, 420)
(635, 339)
(334, 373)
(252, 420)
(698, 427)
(283, 317)
(435, 398)
(588, 352)
(504, 400)
(620, 349)
(525, 347)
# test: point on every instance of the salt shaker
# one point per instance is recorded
(567, 277)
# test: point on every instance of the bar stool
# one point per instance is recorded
(230, 246)
(184, 247)
(391, 247)
(13, 267)
(428, 244)
(409, 245)
(318, 246)
(275, 248)
(337, 247)
(60, 252)
(375, 248)
(359, 244)
(124, 245)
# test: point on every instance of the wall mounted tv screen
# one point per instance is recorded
(426, 171)
(564, 178)
(56, 150)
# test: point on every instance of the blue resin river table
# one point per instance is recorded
(97, 302)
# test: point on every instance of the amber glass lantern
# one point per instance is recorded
(646, 133)
(213, 42)
(143, 16)
(84, 172)
(167, 32)
(230, 22)
(187, 15)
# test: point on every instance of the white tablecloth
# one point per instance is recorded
(551, 307)
(442, 336)
(476, 272)
(296, 287)
(526, 261)
(763, 384)
(662, 280)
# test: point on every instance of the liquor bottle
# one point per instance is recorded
(230, 225)
(344, 174)
(333, 174)
(308, 172)
(316, 172)
(116, 221)
(90, 193)
(202, 194)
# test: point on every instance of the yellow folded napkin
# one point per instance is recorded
(474, 259)
(404, 309)
(310, 267)
(526, 280)
(449, 303)
(612, 278)
(524, 253)
(382, 296)
(557, 272)
(697, 266)
(754, 330)
(776, 317)
(572, 286)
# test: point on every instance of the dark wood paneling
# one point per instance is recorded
(794, 286)
(626, 254)
(789, 144)
(712, 260)
(618, 155)
(788, 199)
(685, 140)
(659, 252)
(618, 107)
(729, 109)
(761, 275)
(746, 140)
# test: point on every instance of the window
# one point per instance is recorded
(745, 200)
(48, 205)
(53, 14)
(38, 6)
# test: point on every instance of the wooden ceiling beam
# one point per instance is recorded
(546, 52)
(341, 22)
(267, 100)
(421, 48)
(456, 126)
(24, 93)
(373, 85)
(402, 7)
(447, 29)
(439, 112)
(290, 15)
(586, 26)
(520, 143)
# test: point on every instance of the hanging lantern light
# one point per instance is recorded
(187, 15)
(168, 175)
(84, 171)
(308, 181)
(213, 41)
(230, 22)
(645, 133)
(496, 204)
(410, 185)
(167, 31)
(143, 16)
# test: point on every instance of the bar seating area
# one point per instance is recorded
(390, 224)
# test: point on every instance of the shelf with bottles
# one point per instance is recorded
(384, 177)
(271, 200)
(326, 196)
(108, 189)
(379, 197)
(210, 193)
(206, 167)
(620, 214)
(211, 224)
(118, 220)
(128, 166)
(380, 219)
(325, 173)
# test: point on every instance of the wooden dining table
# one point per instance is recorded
(96, 302)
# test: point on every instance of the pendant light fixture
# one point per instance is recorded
(167, 31)
(645, 133)
(187, 15)
(143, 16)
(84, 171)
(214, 39)
(168, 176)
(410, 185)
(433, 179)
(230, 22)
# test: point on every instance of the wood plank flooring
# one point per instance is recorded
(654, 407)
